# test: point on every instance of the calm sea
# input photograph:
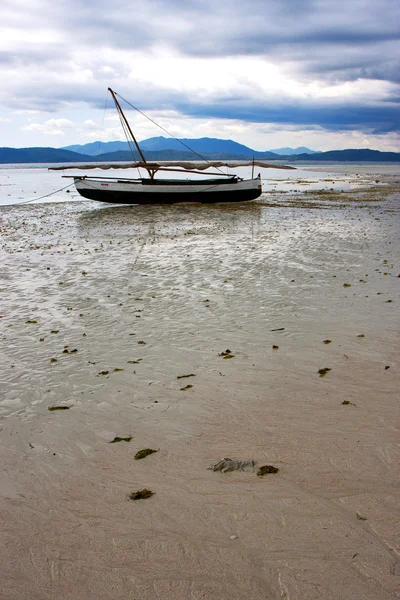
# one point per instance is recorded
(35, 183)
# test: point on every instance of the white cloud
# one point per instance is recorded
(50, 127)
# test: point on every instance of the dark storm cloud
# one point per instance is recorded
(333, 118)
(358, 33)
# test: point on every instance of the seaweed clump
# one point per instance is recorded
(265, 469)
(51, 408)
(324, 371)
(120, 439)
(141, 494)
(227, 354)
(228, 464)
(143, 453)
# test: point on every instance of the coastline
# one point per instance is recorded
(191, 282)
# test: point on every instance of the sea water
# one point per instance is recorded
(26, 183)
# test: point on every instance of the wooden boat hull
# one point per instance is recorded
(167, 192)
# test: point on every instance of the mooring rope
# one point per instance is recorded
(40, 198)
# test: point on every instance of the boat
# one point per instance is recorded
(216, 187)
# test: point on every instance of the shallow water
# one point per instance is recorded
(27, 183)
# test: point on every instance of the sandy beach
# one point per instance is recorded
(105, 309)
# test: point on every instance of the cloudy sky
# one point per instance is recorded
(266, 73)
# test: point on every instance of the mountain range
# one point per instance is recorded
(160, 143)
(161, 148)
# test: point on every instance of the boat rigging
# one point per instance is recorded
(222, 187)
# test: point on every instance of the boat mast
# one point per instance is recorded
(123, 118)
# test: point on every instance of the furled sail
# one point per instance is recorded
(188, 166)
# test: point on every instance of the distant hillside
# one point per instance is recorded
(362, 155)
(95, 148)
(291, 151)
(126, 155)
(168, 155)
(39, 155)
(201, 145)
(156, 144)
(60, 155)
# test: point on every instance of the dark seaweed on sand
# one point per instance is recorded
(51, 408)
(227, 354)
(120, 439)
(324, 371)
(266, 469)
(141, 494)
(143, 453)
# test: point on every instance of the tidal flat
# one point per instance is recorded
(104, 309)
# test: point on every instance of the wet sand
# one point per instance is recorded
(190, 283)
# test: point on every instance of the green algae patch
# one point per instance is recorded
(55, 331)
(324, 371)
(53, 360)
(187, 387)
(327, 342)
(347, 285)
(117, 370)
(51, 408)
(266, 469)
(120, 439)
(143, 453)
(184, 376)
(141, 494)
(134, 362)
(104, 372)
(31, 321)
